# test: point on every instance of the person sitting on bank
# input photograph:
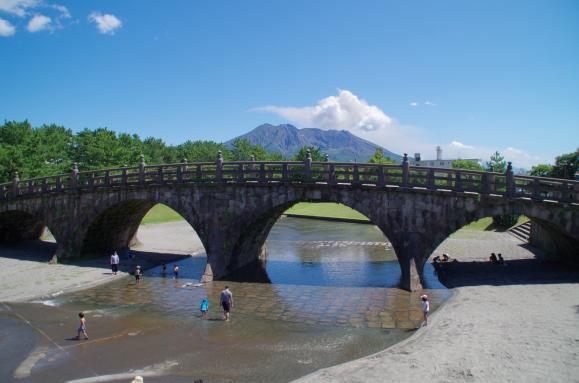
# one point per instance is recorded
(501, 261)
(445, 257)
(436, 259)
(493, 259)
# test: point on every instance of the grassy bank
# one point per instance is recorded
(161, 213)
(326, 209)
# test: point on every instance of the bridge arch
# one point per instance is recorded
(114, 226)
(18, 225)
(557, 223)
(249, 245)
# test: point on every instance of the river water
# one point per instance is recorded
(332, 298)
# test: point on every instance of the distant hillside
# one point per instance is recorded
(340, 145)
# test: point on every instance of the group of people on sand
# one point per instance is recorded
(445, 258)
(138, 272)
(497, 259)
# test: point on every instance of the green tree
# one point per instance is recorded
(156, 151)
(466, 164)
(316, 153)
(566, 165)
(496, 163)
(542, 170)
(378, 158)
(97, 149)
(242, 150)
(201, 151)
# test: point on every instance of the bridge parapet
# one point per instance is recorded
(307, 172)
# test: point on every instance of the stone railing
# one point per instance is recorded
(307, 172)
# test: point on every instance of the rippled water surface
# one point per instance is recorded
(332, 298)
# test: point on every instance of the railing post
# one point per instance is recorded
(485, 184)
(405, 171)
(219, 167)
(308, 165)
(91, 181)
(510, 179)
(180, 169)
(15, 185)
(142, 169)
(381, 180)
(252, 168)
(262, 178)
(430, 179)
(327, 168)
(565, 196)
(458, 181)
(125, 177)
(107, 178)
(74, 177)
(331, 174)
(198, 173)
(285, 172)
(536, 189)
(160, 175)
(356, 177)
(44, 185)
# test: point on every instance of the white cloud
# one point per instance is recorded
(106, 24)
(6, 29)
(17, 7)
(38, 23)
(429, 103)
(342, 112)
(460, 145)
(64, 13)
(346, 111)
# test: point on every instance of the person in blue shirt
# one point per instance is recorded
(204, 308)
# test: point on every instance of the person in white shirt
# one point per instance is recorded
(115, 263)
(425, 308)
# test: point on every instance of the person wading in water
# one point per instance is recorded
(226, 302)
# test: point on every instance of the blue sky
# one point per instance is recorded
(471, 76)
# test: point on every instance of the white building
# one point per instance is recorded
(439, 162)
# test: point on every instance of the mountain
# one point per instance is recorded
(340, 145)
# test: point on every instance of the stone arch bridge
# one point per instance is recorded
(233, 205)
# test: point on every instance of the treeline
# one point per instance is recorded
(52, 149)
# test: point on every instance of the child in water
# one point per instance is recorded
(164, 269)
(176, 271)
(138, 275)
(425, 308)
(204, 308)
(82, 327)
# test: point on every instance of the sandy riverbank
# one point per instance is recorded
(516, 323)
(25, 273)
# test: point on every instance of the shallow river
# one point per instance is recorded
(332, 298)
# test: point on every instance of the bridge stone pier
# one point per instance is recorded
(233, 206)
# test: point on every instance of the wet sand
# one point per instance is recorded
(25, 273)
(515, 323)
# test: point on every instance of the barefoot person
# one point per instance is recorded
(425, 308)
(115, 263)
(138, 275)
(176, 271)
(226, 301)
(204, 308)
(82, 327)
